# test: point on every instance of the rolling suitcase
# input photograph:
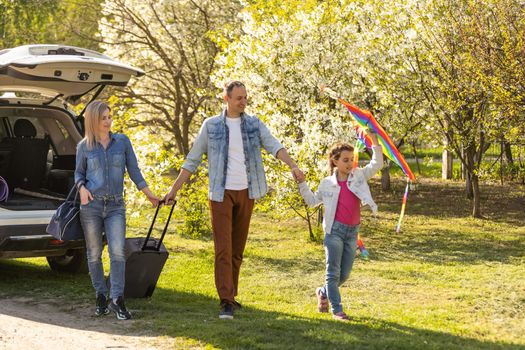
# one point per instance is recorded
(145, 258)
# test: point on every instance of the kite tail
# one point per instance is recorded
(403, 206)
(363, 252)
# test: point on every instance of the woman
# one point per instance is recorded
(102, 158)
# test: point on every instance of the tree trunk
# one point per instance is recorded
(476, 210)
(501, 163)
(469, 191)
(309, 220)
(508, 153)
(446, 164)
(385, 178)
(463, 167)
(415, 156)
(469, 154)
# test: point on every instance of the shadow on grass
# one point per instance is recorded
(192, 316)
(445, 245)
(505, 204)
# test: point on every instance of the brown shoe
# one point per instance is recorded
(341, 316)
(322, 300)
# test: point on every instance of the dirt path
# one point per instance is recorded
(26, 324)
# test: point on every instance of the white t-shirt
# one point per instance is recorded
(236, 177)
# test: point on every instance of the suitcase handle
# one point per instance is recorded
(157, 248)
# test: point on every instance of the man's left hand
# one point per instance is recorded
(298, 175)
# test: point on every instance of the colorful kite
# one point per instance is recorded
(365, 119)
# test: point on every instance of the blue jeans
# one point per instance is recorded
(109, 216)
(340, 246)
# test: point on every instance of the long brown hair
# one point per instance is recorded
(335, 153)
(93, 115)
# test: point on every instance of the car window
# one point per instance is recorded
(60, 137)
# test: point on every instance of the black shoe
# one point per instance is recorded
(102, 305)
(119, 309)
(226, 311)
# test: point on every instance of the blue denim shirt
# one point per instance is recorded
(213, 139)
(102, 170)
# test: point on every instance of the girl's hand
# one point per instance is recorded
(373, 136)
(85, 195)
(298, 175)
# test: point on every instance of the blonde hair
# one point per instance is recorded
(93, 116)
(335, 153)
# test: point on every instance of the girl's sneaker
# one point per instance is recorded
(341, 316)
(322, 300)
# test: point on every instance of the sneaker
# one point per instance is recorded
(119, 309)
(322, 300)
(341, 316)
(226, 311)
(102, 305)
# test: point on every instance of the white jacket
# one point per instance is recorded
(328, 191)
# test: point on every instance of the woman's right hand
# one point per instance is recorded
(85, 196)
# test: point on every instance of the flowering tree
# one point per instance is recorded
(288, 49)
(460, 80)
(175, 43)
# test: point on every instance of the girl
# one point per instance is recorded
(341, 195)
(101, 161)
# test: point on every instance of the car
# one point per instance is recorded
(39, 131)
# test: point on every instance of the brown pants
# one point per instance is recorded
(230, 221)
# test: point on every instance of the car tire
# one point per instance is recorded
(74, 261)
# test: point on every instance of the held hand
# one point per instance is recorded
(169, 198)
(372, 134)
(85, 196)
(298, 175)
(154, 200)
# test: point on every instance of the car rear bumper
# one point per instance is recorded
(23, 241)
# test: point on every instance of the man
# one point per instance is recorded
(233, 142)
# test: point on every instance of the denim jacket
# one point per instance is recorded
(102, 171)
(213, 139)
(328, 190)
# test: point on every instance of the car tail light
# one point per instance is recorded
(56, 242)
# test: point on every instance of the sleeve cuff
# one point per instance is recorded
(141, 185)
(277, 151)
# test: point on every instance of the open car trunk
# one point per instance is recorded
(32, 201)
(37, 156)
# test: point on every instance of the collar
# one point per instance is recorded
(333, 177)
(223, 116)
(112, 138)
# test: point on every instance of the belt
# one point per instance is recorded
(108, 197)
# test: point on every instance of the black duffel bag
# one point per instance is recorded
(65, 223)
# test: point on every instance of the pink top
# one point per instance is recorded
(348, 209)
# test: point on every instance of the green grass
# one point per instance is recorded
(445, 282)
